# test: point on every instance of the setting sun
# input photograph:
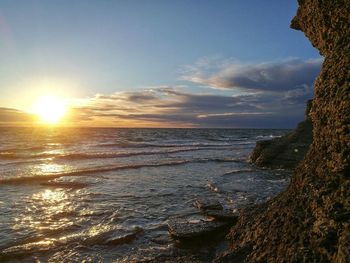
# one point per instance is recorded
(50, 109)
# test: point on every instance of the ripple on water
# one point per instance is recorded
(105, 195)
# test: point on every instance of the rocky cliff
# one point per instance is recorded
(310, 221)
(287, 151)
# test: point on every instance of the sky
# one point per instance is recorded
(156, 63)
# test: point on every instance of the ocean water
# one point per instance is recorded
(105, 195)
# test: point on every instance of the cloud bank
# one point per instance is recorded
(171, 106)
(223, 94)
(270, 94)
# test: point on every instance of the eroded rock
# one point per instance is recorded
(299, 224)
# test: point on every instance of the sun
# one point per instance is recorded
(50, 109)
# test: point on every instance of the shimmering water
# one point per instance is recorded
(74, 194)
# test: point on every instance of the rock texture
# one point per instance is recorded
(310, 221)
(287, 151)
(183, 229)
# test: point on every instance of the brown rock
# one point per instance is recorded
(223, 215)
(119, 239)
(208, 205)
(181, 228)
(299, 224)
(287, 151)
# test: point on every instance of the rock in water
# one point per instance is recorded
(208, 205)
(181, 228)
(214, 209)
(224, 215)
(309, 222)
(287, 151)
(119, 239)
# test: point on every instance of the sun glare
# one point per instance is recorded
(50, 109)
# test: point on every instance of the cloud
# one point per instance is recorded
(298, 95)
(8, 115)
(262, 95)
(173, 106)
(138, 96)
(276, 76)
(227, 114)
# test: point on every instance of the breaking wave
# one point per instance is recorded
(91, 171)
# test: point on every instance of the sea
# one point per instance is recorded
(106, 194)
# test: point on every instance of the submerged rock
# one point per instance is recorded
(124, 238)
(208, 205)
(182, 228)
(214, 209)
(286, 151)
(224, 215)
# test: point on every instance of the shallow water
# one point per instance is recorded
(105, 195)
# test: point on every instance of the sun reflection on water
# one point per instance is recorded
(50, 196)
(51, 153)
(50, 168)
(48, 210)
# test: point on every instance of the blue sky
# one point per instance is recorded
(117, 47)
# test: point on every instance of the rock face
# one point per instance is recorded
(310, 222)
(287, 151)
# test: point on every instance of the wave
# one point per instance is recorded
(82, 156)
(267, 137)
(70, 185)
(101, 234)
(14, 156)
(155, 145)
(279, 181)
(220, 160)
(239, 171)
(8, 155)
(245, 143)
(33, 148)
(85, 172)
(20, 162)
